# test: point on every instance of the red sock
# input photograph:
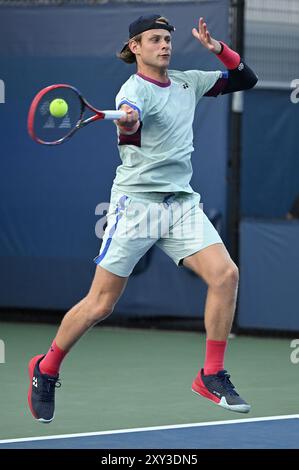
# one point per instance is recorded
(51, 363)
(214, 360)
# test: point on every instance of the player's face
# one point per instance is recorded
(154, 49)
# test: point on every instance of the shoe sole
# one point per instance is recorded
(31, 367)
(245, 408)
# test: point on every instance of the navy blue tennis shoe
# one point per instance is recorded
(219, 389)
(41, 393)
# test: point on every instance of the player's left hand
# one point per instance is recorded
(203, 35)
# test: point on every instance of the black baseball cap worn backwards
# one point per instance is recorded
(144, 23)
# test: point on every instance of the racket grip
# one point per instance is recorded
(114, 114)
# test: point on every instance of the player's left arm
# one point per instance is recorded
(238, 76)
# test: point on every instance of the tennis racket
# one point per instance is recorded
(48, 128)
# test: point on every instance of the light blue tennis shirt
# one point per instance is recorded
(158, 159)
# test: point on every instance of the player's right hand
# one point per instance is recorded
(130, 120)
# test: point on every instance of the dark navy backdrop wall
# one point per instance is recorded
(269, 259)
(270, 166)
(49, 195)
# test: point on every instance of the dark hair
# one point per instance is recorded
(126, 54)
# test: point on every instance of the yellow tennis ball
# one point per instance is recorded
(58, 108)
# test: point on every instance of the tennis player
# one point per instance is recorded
(155, 145)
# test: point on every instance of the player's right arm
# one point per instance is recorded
(130, 123)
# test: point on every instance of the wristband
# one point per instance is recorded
(228, 57)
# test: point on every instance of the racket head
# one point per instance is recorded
(47, 129)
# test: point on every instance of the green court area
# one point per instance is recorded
(117, 378)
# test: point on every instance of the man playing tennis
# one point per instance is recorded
(155, 144)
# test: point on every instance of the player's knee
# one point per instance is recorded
(227, 278)
(232, 276)
(97, 311)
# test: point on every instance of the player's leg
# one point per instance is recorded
(99, 303)
(214, 265)
(109, 281)
(43, 369)
(195, 243)
(119, 253)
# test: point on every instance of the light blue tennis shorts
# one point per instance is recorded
(175, 222)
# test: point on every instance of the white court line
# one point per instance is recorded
(153, 428)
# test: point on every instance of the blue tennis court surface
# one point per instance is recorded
(280, 432)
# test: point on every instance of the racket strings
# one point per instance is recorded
(51, 127)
